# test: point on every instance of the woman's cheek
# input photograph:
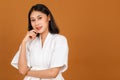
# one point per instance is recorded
(33, 25)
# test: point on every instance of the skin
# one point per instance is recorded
(40, 24)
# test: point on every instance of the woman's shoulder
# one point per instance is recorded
(59, 37)
(60, 41)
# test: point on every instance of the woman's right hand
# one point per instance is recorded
(31, 35)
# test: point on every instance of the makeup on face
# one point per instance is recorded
(39, 21)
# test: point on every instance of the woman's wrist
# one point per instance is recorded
(28, 71)
(24, 41)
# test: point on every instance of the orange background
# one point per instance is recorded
(92, 28)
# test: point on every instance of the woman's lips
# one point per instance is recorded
(38, 28)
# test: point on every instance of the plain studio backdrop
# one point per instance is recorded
(92, 28)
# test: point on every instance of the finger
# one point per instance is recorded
(31, 35)
(34, 31)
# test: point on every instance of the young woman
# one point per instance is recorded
(43, 53)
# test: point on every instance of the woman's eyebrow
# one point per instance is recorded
(31, 17)
(39, 15)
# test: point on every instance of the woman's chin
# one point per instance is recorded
(40, 32)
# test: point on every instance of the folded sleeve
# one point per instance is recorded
(15, 59)
(60, 54)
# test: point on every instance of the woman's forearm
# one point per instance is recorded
(22, 62)
(48, 73)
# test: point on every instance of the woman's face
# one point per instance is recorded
(39, 21)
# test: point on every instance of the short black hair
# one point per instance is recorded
(53, 28)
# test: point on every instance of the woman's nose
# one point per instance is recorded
(36, 22)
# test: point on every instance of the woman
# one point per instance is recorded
(43, 53)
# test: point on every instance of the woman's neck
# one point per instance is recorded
(43, 36)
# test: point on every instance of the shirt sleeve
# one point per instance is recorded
(60, 54)
(15, 59)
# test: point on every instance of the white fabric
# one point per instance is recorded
(54, 53)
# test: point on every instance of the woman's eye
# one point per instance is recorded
(39, 17)
(32, 20)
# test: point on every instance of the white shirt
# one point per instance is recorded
(54, 53)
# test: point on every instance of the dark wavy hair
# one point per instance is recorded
(42, 8)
